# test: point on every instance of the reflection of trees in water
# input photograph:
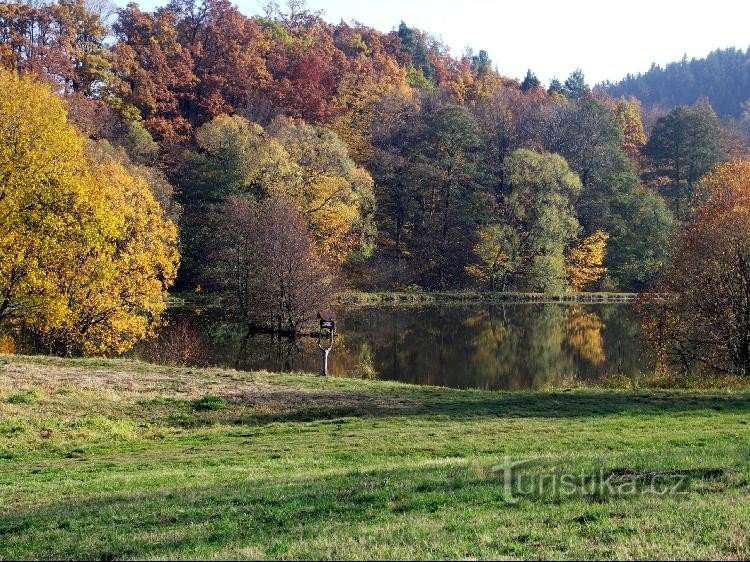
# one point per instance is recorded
(622, 340)
(500, 347)
(495, 347)
(584, 331)
(275, 353)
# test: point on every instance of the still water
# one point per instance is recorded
(501, 347)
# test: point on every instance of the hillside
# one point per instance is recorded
(723, 77)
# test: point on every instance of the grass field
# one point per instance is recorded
(116, 459)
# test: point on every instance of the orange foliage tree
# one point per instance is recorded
(704, 319)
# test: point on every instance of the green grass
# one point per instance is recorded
(405, 298)
(114, 460)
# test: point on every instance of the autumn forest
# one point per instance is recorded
(273, 161)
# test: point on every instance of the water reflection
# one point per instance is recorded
(508, 347)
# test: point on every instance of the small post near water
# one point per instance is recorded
(326, 335)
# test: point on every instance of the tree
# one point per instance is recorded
(684, 145)
(400, 174)
(723, 77)
(455, 194)
(705, 319)
(497, 251)
(265, 263)
(575, 86)
(307, 165)
(530, 82)
(229, 53)
(540, 208)
(335, 194)
(234, 157)
(588, 135)
(628, 115)
(555, 87)
(639, 235)
(43, 198)
(413, 43)
(87, 253)
(585, 262)
(63, 40)
(116, 293)
(500, 130)
(155, 72)
(481, 64)
(369, 80)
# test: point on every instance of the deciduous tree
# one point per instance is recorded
(701, 316)
(540, 208)
(265, 263)
(87, 253)
(585, 262)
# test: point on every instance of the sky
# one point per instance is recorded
(606, 39)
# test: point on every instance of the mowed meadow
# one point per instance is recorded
(105, 459)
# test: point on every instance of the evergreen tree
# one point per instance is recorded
(575, 86)
(530, 82)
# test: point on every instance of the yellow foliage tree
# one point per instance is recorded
(497, 250)
(43, 199)
(86, 253)
(628, 115)
(358, 94)
(585, 261)
(335, 195)
(116, 293)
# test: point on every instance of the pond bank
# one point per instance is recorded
(355, 298)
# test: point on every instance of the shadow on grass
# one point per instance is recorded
(291, 405)
(285, 517)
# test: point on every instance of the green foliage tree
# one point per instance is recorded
(413, 42)
(589, 136)
(555, 87)
(530, 82)
(723, 77)
(540, 208)
(640, 231)
(481, 63)
(575, 86)
(454, 197)
(684, 145)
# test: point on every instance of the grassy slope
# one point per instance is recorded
(112, 459)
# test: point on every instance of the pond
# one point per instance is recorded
(498, 347)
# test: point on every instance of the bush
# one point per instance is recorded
(178, 345)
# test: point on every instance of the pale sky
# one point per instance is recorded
(605, 39)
